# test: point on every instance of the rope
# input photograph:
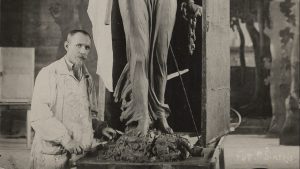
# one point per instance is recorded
(231, 129)
(185, 93)
(239, 118)
(190, 109)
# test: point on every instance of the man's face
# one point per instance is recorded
(78, 47)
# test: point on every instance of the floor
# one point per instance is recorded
(241, 152)
(258, 151)
(14, 154)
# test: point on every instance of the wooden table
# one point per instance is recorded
(191, 163)
(20, 106)
(213, 158)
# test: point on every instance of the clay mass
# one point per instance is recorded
(154, 147)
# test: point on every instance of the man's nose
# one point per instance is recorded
(83, 50)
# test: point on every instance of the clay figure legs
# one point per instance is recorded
(148, 26)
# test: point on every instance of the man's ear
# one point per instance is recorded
(66, 45)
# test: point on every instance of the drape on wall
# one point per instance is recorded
(102, 39)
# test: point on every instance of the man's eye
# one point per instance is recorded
(78, 45)
(87, 47)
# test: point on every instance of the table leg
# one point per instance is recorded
(28, 128)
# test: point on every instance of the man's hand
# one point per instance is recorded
(73, 147)
(109, 133)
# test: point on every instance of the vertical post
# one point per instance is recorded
(259, 62)
(290, 131)
(215, 70)
(1, 65)
(205, 27)
(0, 21)
(259, 5)
(28, 130)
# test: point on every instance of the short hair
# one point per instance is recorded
(74, 31)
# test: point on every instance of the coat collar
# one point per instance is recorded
(63, 68)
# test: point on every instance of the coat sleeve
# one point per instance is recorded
(98, 125)
(42, 118)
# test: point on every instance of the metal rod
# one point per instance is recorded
(185, 93)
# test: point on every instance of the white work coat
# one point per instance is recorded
(61, 110)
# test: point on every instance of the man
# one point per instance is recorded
(148, 26)
(63, 105)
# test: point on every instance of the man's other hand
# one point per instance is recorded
(73, 147)
(109, 133)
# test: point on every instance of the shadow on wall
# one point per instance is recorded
(44, 25)
(69, 16)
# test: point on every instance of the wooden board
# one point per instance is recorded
(191, 163)
(16, 74)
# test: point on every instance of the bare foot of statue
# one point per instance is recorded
(143, 126)
(140, 128)
(163, 125)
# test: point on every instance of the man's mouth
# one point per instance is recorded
(82, 57)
